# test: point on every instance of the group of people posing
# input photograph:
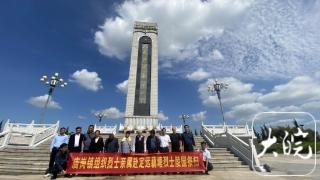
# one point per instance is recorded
(93, 142)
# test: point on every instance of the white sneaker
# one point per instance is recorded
(47, 175)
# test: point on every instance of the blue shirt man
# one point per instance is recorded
(187, 140)
(58, 140)
(54, 147)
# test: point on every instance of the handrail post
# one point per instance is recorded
(33, 139)
(6, 125)
(6, 139)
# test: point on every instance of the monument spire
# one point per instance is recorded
(142, 96)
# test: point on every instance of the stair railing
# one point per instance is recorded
(246, 152)
(44, 135)
(19, 135)
(208, 135)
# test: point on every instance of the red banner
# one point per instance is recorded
(117, 163)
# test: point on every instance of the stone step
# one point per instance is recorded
(20, 172)
(42, 164)
(217, 149)
(231, 157)
(24, 159)
(218, 158)
(23, 167)
(25, 154)
(225, 166)
(239, 168)
(221, 154)
(26, 150)
(43, 146)
(218, 152)
(224, 162)
(2, 154)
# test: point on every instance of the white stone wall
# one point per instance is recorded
(130, 119)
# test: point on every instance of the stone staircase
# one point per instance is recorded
(222, 158)
(25, 161)
(35, 161)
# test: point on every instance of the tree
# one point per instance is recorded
(257, 134)
(295, 123)
(263, 134)
(266, 130)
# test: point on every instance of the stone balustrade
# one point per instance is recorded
(23, 135)
(106, 129)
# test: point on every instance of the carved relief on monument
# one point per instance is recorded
(143, 85)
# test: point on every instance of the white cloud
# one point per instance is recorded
(162, 116)
(216, 55)
(111, 113)
(81, 117)
(240, 35)
(198, 75)
(123, 86)
(200, 116)
(241, 102)
(181, 22)
(39, 101)
(257, 48)
(312, 106)
(245, 112)
(296, 92)
(237, 93)
(89, 80)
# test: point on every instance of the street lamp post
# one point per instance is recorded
(99, 115)
(184, 117)
(216, 87)
(53, 82)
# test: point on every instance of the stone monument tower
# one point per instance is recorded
(142, 96)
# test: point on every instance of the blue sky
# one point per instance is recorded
(267, 51)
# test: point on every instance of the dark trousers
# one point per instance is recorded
(75, 149)
(139, 150)
(209, 167)
(188, 148)
(164, 149)
(176, 148)
(52, 158)
(56, 170)
(152, 151)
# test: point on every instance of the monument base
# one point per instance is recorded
(142, 123)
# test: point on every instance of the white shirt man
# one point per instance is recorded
(76, 140)
(205, 154)
(165, 142)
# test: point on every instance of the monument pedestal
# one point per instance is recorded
(136, 121)
(142, 123)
